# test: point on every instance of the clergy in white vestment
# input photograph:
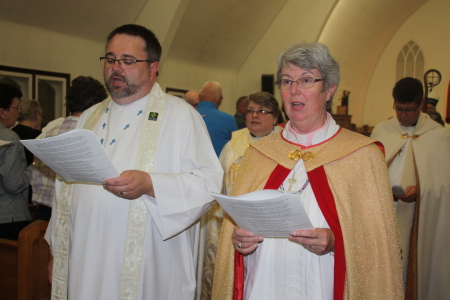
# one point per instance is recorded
(261, 119)
(341, 179)
(135, 237)
(418, 157)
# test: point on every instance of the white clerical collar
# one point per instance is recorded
(255, 138)
(409, 129)
(325, 132)
(137, 102)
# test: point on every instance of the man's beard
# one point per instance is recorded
(122, 92)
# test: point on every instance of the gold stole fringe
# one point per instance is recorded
(137, 216)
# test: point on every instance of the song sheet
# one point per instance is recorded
(269, 213)
(398, 190)
(76, 156)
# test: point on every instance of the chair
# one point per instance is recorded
(23, 264)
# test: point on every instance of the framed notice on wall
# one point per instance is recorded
(176, 92)
(49, 88)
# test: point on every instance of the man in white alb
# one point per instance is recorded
(418, 157)
(133, 238)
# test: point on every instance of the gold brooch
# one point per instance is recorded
(415, 137)
(297, 154)
(307, 156)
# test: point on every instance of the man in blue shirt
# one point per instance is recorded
(220, 125)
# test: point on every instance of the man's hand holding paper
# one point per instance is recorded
(130, 184)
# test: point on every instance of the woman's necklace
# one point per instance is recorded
(292, 181)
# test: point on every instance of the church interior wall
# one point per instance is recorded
(429, 29)
(40, 49)
(34, 48)
(188, 76)
(283, 33)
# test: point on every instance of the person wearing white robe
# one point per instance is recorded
(352, 252)
(418, 156)
(261, 120)
(135, 236)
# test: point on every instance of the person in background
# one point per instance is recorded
(30, 122)
(241, 109)
(436, 116)
(220, 124)
(261, 121)
(28, 128)
(418, 157)
(261, 118)
(341, 179)
(83, 93)
(134, 237)
(192, 97)
(14, 174)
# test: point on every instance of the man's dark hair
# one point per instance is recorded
(408, 90)
(7, 94)
(83, 93)
(241, 99)
(153, 47)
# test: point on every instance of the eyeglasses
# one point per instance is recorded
(406, 111)
(126, 63)
(258, 112)
(16, 107)
(303, 83)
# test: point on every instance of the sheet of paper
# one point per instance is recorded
(398, 190)
(76, 156)
(269, 213)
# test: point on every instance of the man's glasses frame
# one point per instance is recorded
(126, 63)
(406, 111)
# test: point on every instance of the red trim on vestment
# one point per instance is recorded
(307, 147)
(275, 180)
(325, 199)
(277, 177)
(381, 146)
(238, 289)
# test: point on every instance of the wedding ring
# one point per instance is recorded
(240, 245)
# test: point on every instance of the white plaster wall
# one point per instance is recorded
(184, 75)
(287, 29)
(34, 48)
(429, 29)
(247, 80)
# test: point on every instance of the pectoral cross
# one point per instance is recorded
(292, 181)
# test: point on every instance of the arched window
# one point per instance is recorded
(410, 62)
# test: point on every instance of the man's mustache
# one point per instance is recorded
(115, 74)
